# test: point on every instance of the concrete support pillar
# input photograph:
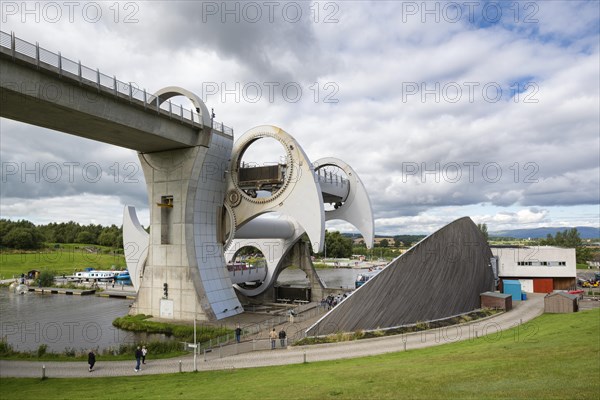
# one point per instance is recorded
(186, 189)
(299, 255)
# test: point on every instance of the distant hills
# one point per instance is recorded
(585, 232)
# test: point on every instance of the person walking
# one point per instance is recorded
(91, 359)
(282, 337)
(138, 358)
(273, 336)
(144, 352)
(238, 333)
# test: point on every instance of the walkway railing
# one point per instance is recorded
(256, 336)
(55, 62)
(248, 275)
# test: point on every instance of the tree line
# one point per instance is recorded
(24, 235)
(569, 238)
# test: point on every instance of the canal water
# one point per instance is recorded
(62, 321)
(82, 322)
(332, 277)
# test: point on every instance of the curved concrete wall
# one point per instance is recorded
(440, 276)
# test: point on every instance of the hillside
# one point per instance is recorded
(585, 232)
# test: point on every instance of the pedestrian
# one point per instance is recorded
(238, 333)
(144, 352)
(138, 358)
(91, 359)
(282, 337)
(273, 335)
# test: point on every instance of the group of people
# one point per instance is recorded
(140, 357)
(142, 351)
(273, 335)
(332, 301)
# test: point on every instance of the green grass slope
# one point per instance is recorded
(553, 357)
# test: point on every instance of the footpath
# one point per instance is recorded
(226, 358)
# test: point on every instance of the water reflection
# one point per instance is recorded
(63, 322)
(82, 322)
(332, 277)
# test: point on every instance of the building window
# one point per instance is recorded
(524, 263)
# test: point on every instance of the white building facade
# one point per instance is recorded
(540, 269)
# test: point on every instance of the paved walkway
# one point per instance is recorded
(492, 327)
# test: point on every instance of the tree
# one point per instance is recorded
(85, 237)
(46, 278)
(384, 243)
(566, 238)
(337, 246)
(569, 238)
(484, 230)
(22, 238)
(107, 238)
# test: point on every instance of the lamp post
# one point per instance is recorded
(195, 346)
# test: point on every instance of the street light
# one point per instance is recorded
(195, 346)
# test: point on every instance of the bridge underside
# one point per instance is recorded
(61, 103)
(441, 276)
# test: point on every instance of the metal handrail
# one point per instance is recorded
(254, 329)
(43, 58)
(331, 178)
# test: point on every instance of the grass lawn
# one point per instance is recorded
(553, 357)
(585, 266)
(64, 260)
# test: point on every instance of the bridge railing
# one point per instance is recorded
(256, 336)
(331, 178)
(43, 58)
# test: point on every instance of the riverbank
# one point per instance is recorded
(468, 332)
(526, 361)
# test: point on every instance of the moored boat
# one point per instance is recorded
(94, 275)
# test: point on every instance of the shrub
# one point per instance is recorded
(42, 350)
(6, 348)
(46, 278)
(70, 352)
(421, 326)
(465, 318)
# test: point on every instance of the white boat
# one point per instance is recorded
(362, 278)
(94, 275)
(123, 275)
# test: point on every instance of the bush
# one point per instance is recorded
(421, 326)
(6, 349)
(378, 333)
(42, 350)
(46, 278)
(70, 352)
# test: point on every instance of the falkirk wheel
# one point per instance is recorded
(206, 204)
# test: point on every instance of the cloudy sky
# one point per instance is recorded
(444, 109)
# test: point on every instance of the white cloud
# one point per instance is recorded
(375, 62)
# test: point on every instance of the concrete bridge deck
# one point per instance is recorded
(45, 89)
